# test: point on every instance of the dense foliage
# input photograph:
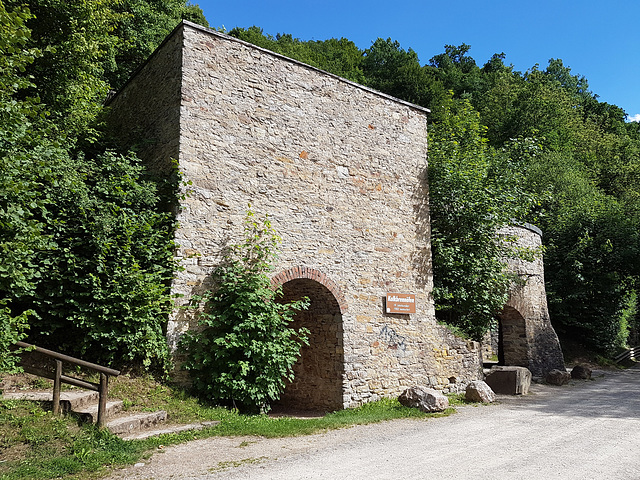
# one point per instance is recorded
(20, 228)
(86, 247)
(473, 192)
(245, 348)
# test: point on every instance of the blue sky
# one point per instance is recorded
(596, 39)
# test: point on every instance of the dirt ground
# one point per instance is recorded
(587, 429)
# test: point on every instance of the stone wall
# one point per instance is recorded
(528, 338)
(340, 169)
(320, 369)
(145, 114)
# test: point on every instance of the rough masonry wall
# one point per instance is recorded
(320, 368)
(529, 339)
(145, 114)
(341, 170)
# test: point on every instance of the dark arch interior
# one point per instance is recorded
(317, 385)
(512, 341)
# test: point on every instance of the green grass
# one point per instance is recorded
(34, 444)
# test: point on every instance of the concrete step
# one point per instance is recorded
(129, 424)
(30, 396)
(69, 401)
(89, 413)
(141, 435)
(85, 405)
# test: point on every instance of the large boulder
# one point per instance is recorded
(558, 377)
(479, 391)
(425, 399)
(509, 380)
(581, 372)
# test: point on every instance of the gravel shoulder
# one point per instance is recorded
(587, 429)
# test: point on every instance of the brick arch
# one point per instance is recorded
(312, 274)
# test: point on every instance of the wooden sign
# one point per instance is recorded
(401, 303)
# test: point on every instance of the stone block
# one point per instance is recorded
(581, 372)
(509, 380)
(558, 377)
(479, 391)
(424, 399)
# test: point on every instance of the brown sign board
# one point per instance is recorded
(401, 303)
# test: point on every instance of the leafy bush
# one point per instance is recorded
(105, 279)
(245, 349)
(20, 231)
(12, 330)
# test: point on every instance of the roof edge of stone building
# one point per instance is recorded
(529, 227)
(310, 67)
(269, 52)
(134, 74)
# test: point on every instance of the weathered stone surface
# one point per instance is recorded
(340, 169)
(558, 377)
(509, 380)
(134, 423)
(528, 338)
(426, 399)
(581, 372)
(479, 391)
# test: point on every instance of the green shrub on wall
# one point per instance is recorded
(245, 350)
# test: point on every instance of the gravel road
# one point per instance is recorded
(586, 430)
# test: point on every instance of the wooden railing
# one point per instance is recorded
(58, 378)
(632, 353)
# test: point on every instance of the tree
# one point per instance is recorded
(139, 28)
(473, 191)
(21, 233)
(391, 69)
(457, 71)
(87, 247)
(68, 77)
(245, 349)
(592, 250)
(338, 56)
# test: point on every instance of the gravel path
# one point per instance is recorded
(586, 430)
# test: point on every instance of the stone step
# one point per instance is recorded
(69, 401)
(129, 424)
(89, 413)
(141, 435)
(85, 405)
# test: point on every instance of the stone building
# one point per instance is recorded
(526, 336)
(340, 169)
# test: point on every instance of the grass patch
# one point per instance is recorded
(145, 394)
(36, 445)
(265, 426)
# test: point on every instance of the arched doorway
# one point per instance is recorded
(513, 346)
(318, 373)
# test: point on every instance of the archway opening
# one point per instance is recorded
(513, 347)
(317, 385)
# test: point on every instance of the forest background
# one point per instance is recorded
(86, 233)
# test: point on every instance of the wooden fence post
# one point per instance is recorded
(56, 388)
(102, 401)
